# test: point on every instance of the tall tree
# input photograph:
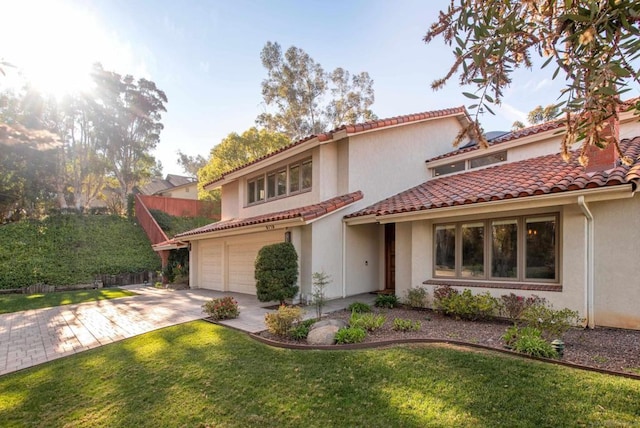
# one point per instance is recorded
(593, 44)
(295, 91)
(129, 123)
(236, 150)
(191, 164)
(538, 115)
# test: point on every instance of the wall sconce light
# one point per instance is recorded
(287, 236)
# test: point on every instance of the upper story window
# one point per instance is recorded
(470, 163)
(287, 180)
(513, 249)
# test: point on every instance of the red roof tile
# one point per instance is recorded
(355, 129)
(306, 213)
(509, 136)
(530, 177)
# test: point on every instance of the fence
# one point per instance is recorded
(181, 207)
(148, 223)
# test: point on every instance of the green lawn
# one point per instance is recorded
(202, 375)
(24, 302)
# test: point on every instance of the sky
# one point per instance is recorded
(205, 55)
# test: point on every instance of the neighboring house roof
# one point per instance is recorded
(306, 213)
(356, 129)
(157, 185)
(530, 177)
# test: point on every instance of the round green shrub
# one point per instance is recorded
(276, 272)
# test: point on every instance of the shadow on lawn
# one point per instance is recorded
(199, 374)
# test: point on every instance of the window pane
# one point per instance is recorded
(306, 175)
(541, 248)
(294, 178)
(504, 255)
(251, 191)
(271, 185)
(448, 169)
(282, 182)
(473, 250)
(260, 189)
(445, 239)
(488, 159)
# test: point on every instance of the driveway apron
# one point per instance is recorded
(36, 336)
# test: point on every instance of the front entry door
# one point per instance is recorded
(390, 257)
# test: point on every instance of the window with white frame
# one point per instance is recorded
(287, 180)
(476, 162)
(523, 248)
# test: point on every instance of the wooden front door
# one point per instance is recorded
(390, 256)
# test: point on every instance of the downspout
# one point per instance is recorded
(589, 261)
(344, 259)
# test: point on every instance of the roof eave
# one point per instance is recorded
(540, 201)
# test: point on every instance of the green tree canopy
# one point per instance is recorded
(538, 115)
(295, 89)
(191, 164)
(236, 150)
(592, 44)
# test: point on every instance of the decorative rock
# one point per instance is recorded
(323, 323)
(324, 335)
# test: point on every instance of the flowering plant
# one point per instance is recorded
(222, 308)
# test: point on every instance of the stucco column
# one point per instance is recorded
(296, 240)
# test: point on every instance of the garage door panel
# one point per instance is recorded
(211, 266)
(241, 265)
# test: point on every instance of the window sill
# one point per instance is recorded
(496, 284)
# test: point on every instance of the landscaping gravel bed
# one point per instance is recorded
(602, 348)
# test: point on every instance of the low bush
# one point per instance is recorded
(442, 293)
(513, 305)
(417, 297)
(368, 321)
(553, 323)
(223, 308)
(528, 340)
(389, 301)
(350, 335)
(282, 321)
(359, 307)
(300, 331)
(468, 306)
(401, 324)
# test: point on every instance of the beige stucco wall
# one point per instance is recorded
(230, 206)
(326, 249)
(388, 161)
(183, 192)
(617, 262)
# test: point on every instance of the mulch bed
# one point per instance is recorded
(607, 349)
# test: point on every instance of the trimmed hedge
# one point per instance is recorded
(72, 249)
(276, 272)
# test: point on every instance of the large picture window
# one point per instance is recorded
(512, 249)
(289, 180)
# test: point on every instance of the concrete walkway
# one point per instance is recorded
(33, 337)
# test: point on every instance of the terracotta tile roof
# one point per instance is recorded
(509, 136)
(525, 132)
(530, 177)
(355, 129)
(306, 213)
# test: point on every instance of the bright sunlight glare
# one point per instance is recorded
(54, 44)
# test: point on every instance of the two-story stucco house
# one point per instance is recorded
(391, 205)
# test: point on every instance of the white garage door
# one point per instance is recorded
(242, 257)
(211, 266)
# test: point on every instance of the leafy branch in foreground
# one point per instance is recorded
(594, 44)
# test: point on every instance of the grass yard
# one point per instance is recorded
(202, 375)
(24, 302)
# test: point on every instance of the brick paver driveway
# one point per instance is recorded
(36, 336)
